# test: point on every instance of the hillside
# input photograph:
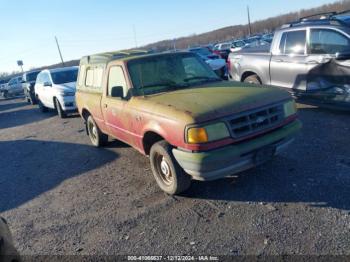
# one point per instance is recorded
(238, 31)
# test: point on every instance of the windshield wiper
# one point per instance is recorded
(205, 78)
(157, 84)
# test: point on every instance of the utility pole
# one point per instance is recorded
(135, 39)
(249, 26)
(59, 50)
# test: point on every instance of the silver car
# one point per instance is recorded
(13, 87)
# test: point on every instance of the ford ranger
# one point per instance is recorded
(173, 108)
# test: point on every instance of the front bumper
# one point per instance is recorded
(68, 103)
(234, 158)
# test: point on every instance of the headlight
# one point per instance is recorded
(290, 108)
(68, 94)
(208, 133)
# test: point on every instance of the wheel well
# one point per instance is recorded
(85, 114)
(247, 74)
(149, 139)
(53, 100)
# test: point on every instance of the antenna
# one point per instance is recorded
(59, 50)
(135, 38)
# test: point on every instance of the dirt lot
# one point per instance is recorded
(62, 196)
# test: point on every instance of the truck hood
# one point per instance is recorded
(215, 100)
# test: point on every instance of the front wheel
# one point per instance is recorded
(252, 79)
(42, 107)
(5, 94)
(169, 176)
(59, 109)
(96, 136)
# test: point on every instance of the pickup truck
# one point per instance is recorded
(13, 87)
(308, 57)
(173, 108)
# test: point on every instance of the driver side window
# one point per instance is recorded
(116, 78)
(327, 41)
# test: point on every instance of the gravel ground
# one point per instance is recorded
(62, 196)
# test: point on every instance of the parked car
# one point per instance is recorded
(310, 58)
(237, 45)
(13, 87)
(28, 83)
(268, 37)
(222, 49)
(55, 89)
(214, 61)
(175, 109)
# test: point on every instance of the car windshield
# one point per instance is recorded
(65, 76)
(31, 76)
(238, 44)
(162, 73)
(201, 51)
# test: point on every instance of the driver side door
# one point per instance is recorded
(115, 109)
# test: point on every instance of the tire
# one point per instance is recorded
(59, 109)
(32, 100)
(170, 177)
(42, 108)
(5, 94)
(97, 138)
(252, 79)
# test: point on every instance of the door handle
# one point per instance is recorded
(105, 105)
(279, 60)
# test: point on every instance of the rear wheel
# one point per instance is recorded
(96, 136)
(5, 94)
(168, 174)
(59, 109)
(252, 79)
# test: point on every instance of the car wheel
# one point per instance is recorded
(252, 79)
(5, 94)
(96, 136)
(32, 99)
(41, 106)
(59, 109)
(170, 177)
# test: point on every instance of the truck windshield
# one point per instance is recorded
(156, 74)
(66, 76)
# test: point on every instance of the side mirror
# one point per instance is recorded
(117, 91)
(342, 56)
(47, 84)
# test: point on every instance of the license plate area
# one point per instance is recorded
(264, 154)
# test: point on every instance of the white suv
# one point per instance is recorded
(55, 88)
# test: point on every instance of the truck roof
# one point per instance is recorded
(104, 58)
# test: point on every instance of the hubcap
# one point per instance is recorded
(163, 170)
(94, 131)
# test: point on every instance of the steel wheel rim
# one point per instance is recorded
(92, 131)
(163, 169)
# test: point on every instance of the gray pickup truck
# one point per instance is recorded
(309, 57)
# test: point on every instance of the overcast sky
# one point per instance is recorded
(90, 26)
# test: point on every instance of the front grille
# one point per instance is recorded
(252, 122)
